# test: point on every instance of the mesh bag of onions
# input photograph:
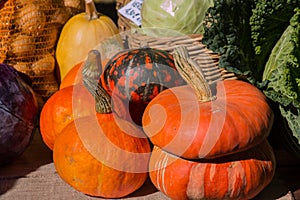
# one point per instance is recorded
(29, 30)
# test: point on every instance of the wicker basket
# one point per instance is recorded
(206, 59)
(124, 24)
(202, 56)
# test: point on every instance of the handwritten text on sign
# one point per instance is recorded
(132, 11)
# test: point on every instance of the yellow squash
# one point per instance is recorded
(80, 34)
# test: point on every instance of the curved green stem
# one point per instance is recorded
(103, 100)
(91, 72)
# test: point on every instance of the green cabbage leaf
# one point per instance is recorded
(183, 16)
(282, 74)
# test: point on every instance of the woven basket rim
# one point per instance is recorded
(198, 52)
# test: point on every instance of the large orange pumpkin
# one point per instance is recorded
(102, 155)
(240, 176)
(236, 118)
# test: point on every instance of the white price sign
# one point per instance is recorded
(132, 11)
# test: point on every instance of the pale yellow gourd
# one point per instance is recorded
(80, 34)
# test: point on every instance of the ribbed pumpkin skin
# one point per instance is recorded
(240, 176)
(63, 107)
(237, 119)
(89, 170)
(138, 75)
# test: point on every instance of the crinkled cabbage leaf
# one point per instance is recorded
(282, 74)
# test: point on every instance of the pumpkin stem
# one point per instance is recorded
(91, 72)
(192, 74)
(90, 10)
(103, 100)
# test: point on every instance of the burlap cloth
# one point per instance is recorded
(33, 177)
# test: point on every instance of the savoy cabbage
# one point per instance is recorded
(282, 74)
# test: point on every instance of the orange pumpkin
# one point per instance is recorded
(70, 102)
(236, 118)
(240, 176)
(102, 155)
(73, 77)
(61, 108)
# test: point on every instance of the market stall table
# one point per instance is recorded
(33, 177)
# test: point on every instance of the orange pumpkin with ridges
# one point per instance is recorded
(240, 176)
(101, 164)
(194, 122)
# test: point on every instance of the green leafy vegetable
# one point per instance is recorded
(268, 21)
(282, 74)
(244, 33)
(227, 31)
(160, 16)
(259, 40)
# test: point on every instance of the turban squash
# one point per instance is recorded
(239, 176)
(194, 122)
